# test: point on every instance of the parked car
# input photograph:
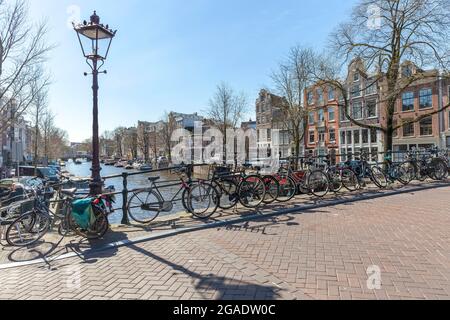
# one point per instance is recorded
(46, 173)
(162, 162)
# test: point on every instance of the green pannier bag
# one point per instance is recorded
(82, 213)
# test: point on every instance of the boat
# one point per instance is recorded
(110, 162)
(129, 167)
(78, 161)
(119, 165)
(145, 167)
(62, 164)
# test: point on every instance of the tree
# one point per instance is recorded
(36, 113)
(167, 129)
(226, 110)
(23, 50)
(384, 34)
(291, 79)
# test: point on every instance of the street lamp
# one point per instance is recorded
(95, 41)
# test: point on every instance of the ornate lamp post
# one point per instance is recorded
(95, 41)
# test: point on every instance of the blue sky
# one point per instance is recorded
(171, 54)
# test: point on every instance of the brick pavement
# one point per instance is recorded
(321, 254)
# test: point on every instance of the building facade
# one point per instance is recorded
(322, 127)
(271, 119)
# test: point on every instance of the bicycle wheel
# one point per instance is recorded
(288, 189)
(440, 170)
(203, 200)
(318, 184)
(272, 189)
(228, 193)
(349, 180)
(252, 192)
(336, 184)
(95, 231)
(145, 206)
(28, 229)
(405, 173)
(378, 177)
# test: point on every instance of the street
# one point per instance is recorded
(395, 247)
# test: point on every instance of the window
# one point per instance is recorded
(356, 76)
(342, 137)
(371, 109)
(408, 101)
(357, 110)
(332, 134)
(374, 154)
(310, 98)
(365, 136)
(425, 98)
(426, 127)
(320, 96)
(321, 116)
(407, 71)
(371, 88)
(343, 155)
(269, 135)
(312, 137)
(322, 135)
(356, 91)
(408, 130)
(356, 136)
(312, 118)
(349, 137)
(373, 136)
(331, 93)
(331, 115)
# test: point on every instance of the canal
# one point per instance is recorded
(134, 182)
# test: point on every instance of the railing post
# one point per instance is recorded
(125, 219)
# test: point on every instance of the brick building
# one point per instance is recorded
(269, 117)
(322, 127)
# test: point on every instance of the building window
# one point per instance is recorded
(408, 101)
(371, 88)
(426, 98)
(349, 137)
(310, 98)
(269, 135)
(408, 129)
(312, 137)
(373, 136)
(407, 71)
(374, 154)
(356, 91)
(322, 135)
(331, 114)
(371, 109)
(356, 137)
(343, 114)
(332, 134)
(356, 76)
(357, 110)
(365, 136)
(331, 93)
(321, 116)
(319, 96)
(342, 137)
(312, 117)
(426, 127)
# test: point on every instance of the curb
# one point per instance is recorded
(171, 233)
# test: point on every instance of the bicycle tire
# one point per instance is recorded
(251, 188)
(96, 231)
(378, 177)
(318, 183)
(142, 204)
(350, 180)
(203, 193)
(272, 189)
(29, 222)
(288, 189)
(227, 189)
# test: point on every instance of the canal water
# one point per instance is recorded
(134, 182)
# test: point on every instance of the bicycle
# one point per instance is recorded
(200, 198)
(341, 176)
(363, 170)
(402, 172)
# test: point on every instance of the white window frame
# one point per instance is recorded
(376, 109)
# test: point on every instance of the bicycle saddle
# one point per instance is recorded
(154, 179)
(69, 192)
